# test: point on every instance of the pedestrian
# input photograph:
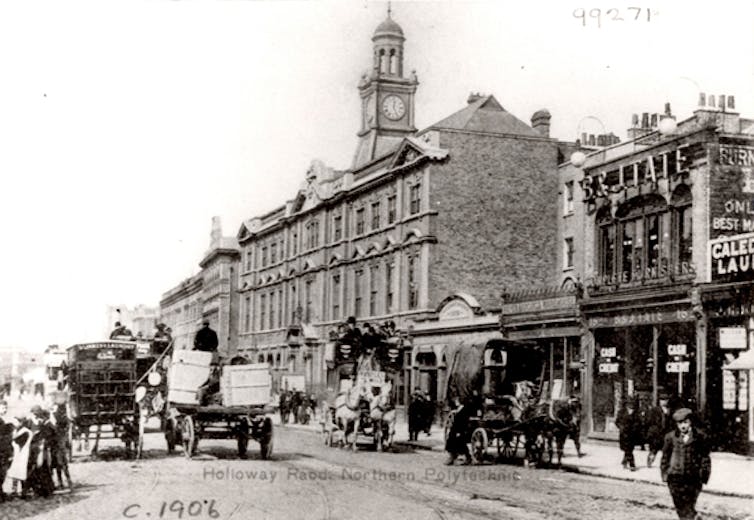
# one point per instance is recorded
(630, 432)
(415, 414)
(39, 473)
(458, 435)
(295, 404)
(686, 463)
(161, 340)
(658, 424)
(61, 447)
(284, 406)
(6, 446)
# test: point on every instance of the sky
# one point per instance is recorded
(126, 125)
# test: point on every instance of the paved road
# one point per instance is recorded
(306, 480)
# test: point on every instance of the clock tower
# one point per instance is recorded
(387, 97)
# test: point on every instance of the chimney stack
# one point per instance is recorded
(474, 96)
(540, 121)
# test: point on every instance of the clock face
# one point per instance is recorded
(393, 107)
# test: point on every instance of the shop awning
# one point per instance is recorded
(743, 362)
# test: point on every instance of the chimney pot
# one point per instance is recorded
(711, 101)
(645, 119)
(731, 102)
(702, 99)
(654, 120)
(540, 121)
(721, 102)
(667, 110)
(591, 140)
(634, 120)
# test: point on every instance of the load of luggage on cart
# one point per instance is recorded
(503, 399)
(363, 380)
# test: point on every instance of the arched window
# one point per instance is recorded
(383, 62)
(260, 358)
(393, 62)
(635, 245)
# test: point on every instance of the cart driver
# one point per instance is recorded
(206, 340)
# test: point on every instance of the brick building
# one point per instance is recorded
(654, 239)
(462, 207)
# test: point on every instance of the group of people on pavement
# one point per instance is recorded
(672, 428)
(298, 406)
(32, 448)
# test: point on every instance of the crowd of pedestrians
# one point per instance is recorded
(33, 449)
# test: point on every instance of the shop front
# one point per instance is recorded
(640, 354)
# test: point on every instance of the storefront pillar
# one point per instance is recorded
(655, 362)
(701, 361)
(587, 353)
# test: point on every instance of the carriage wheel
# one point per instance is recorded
(448, 424)
(188, 436)
(243, 437)
(170, 434)
(478, 445)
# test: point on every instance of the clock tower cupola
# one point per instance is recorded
(387, 97)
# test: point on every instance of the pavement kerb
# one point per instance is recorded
(438, 446)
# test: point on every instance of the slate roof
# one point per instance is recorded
(486, 115)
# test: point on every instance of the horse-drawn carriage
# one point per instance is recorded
(507, 384)
(364, 372)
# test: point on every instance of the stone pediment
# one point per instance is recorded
(412, 149)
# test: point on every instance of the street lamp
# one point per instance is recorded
(578, 158)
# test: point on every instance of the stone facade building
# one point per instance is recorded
(212, 294)
(465, 206)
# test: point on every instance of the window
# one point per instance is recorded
(273, 253)
(415, 198)
(337, 228)
(312, 233)
(568, 254)
(272, 309)
(607, 245)
(308, 300)
(262, 309)
(335, 297)
(391, 209)
(360, 221)
(247, 317)
(684, 239)
(389, 287)
(413, 282)
(264, 256)
(373, 290)
(357, 288)
(294, 311)
(248, 259)
(280, 308)
(375, 215)
(568, 198)
(294, 244)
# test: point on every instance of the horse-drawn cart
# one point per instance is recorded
(512, 409)
(237, 410)
(100, 380)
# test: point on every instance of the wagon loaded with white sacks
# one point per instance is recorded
(238, 411)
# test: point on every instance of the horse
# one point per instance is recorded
(566, 423)
(348, 411)
(383, 416)
(548, 423)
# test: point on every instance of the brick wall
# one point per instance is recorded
(497, 201)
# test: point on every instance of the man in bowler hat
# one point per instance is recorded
(686, 464)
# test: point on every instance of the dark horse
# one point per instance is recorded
(548, 423)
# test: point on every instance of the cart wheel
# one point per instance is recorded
(448, 424)
(243, 437)
(188, 436)
(265, 442)
(478, 445)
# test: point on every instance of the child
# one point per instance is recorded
(6, 446)
(60, 447)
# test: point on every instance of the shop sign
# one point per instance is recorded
(545, 304)
(743, 390)
(732, 257)
(608, 352)
(729, 390)
(640, 318)
(677, 350)
(371, 377)
(676, 367)
(732, 338)
(646, 170)
(608, 368)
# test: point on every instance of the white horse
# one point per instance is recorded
(382, 413)
(347, 412)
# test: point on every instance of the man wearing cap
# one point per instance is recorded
(685, 463)
(206, 338)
